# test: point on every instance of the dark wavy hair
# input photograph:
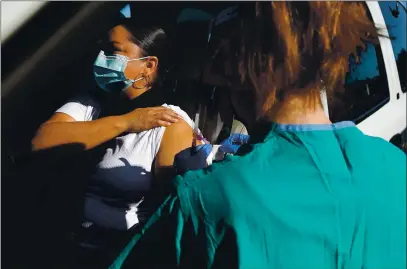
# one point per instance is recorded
(153, 41)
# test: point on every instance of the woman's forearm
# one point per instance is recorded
(89, 133)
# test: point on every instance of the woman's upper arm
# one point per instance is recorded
(60, 117)
(176, 138)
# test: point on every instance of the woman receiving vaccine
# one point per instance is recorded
(145, 139)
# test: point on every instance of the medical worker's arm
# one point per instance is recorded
(62, 129)
(186, 231)
(165, 240)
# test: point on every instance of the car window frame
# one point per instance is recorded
(383, 69)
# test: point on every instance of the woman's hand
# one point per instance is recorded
(143, 119)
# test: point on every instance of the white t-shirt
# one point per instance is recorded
(124, 174)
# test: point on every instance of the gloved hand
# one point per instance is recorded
(232, 144)
(201, 156)
(193, 158)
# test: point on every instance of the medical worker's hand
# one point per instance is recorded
(192, 158)
(232, 144)
(143, 119)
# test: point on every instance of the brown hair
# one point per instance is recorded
(299, 48)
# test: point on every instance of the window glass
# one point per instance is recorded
(366, 89)
(395, 18)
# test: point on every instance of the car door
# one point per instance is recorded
(394, 13)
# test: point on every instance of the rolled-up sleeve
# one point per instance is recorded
(81, 108)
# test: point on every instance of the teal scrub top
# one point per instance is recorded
(304, 197)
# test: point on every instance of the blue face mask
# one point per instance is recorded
(109, 72)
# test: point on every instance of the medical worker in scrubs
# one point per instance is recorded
(305, 192)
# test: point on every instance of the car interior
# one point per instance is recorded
(45, 62)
